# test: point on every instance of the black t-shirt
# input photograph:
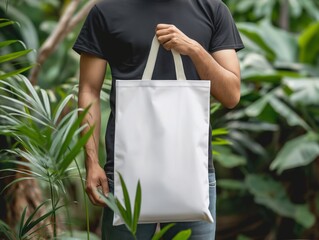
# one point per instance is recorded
(121, 32)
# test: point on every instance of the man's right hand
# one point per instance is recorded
(96, 178)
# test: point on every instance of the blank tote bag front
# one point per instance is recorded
(161, 139)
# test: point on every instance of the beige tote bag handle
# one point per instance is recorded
(150, 65)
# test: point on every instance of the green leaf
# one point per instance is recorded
(305, 217)
(110, 201)
(272, 195)
(242, 140)
(137, 207)
(23, 232)
(242, 237)
(231, 184)
(254, 33)
(61, 107)
(161, 233)
(282, 43)
(46, 103)
(127, 201)
(214, 108)
(10, 42)
(16, 181)
(219, 131)
(183, 235)
(70, 134)
(253, 126)
(308, 44)
(276, 43)
(15, 72)
(124, 215)
(7, 231)
(32, 224)
(227, 159)
(271, 99)
(255, 109)
(22, 221)
(293, 119)
(64, 164)
(14, 55)
(27, 28)
(33, 93)
(298, 152)
(6, 23)
(27, 116)
(305, 91)
(220, 142)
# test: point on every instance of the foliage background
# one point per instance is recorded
(268, 175)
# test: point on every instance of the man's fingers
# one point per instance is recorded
(167, 45)
(164, 26)
(105, 187)
(94, 196)
(97, 198)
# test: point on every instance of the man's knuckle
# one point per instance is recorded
(88, 188)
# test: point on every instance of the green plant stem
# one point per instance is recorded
(85, 202)
(68, 216)
(53, 208)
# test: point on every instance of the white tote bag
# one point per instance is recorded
(161, 139)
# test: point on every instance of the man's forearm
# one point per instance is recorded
(93, 119)
(225, 85)
(221, 68)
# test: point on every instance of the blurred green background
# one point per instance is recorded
(266, 150)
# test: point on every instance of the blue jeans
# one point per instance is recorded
(201, 230)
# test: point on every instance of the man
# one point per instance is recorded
(120, 32)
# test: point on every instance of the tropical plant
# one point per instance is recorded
(274, 130)
(45, 139)
(288, 14)
(130, 216)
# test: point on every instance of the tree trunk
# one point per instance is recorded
(21, 195)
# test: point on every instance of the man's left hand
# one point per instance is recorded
(172, 38)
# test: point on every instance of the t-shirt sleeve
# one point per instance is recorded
(226, 35)
(92, 38)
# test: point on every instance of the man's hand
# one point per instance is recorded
(96, 178)
(173, 38)
(220, 67)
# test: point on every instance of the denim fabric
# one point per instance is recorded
(201, 230)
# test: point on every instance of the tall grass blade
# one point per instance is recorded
(14, 73)
(160, 234)
(7, 231)
(10, 42)
(124, 214)
(12, 56)
(127, 201)
(46, 103)
(70, 134)
(16, 181)
(183, 235)
(32, 224)
(61, 108)
(4, 24)
(33, 92)
(33, 214)
(74, 151)
(137, 207)
(22, 221)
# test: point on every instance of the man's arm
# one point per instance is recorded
(221, 68)
(92, 71)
